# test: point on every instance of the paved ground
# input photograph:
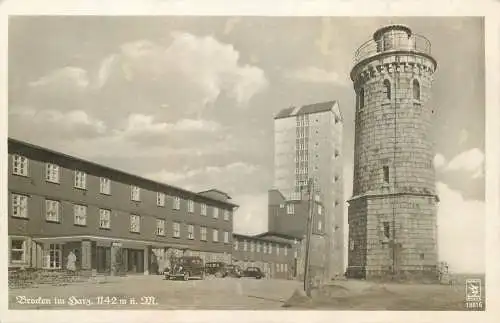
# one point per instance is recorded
(230, 293)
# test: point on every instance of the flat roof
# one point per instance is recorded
(117, 171)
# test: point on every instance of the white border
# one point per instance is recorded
(490, 9)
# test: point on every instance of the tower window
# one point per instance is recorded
(387, 231)
(361, 98)
(387, 89)
(386, 174)
(416, 90)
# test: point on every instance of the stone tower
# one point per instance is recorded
(393, 210)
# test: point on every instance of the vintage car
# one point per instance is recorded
(185, 268)
(218, 269)
(234, 271)
(254, 272)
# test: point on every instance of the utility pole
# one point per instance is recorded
(307, 279)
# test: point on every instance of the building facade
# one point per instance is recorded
(392, 214)
(273, 255)
(108, 221)
(308, 144)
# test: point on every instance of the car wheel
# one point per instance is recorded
(186, 276)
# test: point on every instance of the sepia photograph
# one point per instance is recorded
(246, 163)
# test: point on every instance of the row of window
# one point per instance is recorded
(387, 91)
(267, 248)
(20, 167)
(53, 214)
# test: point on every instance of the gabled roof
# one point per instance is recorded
(308, 109)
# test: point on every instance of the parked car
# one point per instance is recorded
(185, 268)
(253, 272)
(234, 271)
(218, 269)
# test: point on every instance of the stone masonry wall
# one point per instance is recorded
(393, 170)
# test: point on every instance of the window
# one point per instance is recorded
(135, 223)
(104, 219)
(320, 225)
(160, 199)
(361, 98)
(135, 193)
(52, 173)
(19, 165)
(105, 185)
(258, 246)
(235, 244)
(386, 174)
(203, 233)
(416, 90)
(226, 237)
(80, 179)
(278, 268)
(277, 250)
(387, 230)
(387, 89)
(160, 227)
(286, 268)
(215, 235)
(421, 256)
(290, 209)
(252, 246)
(177, 203)
(177, 229)
(286, 251)
(270, 250)
(245, 245)
(80, 213)
(19, 206)
(191, 206)
(203, 209)
(216, 213)
(53, 256)
(17, 250)
(52, 210)
(320, 209)
(190, 231)
(226, 215)
(351, 244)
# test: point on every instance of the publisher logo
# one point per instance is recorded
(473, 290)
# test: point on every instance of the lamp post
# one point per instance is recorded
(307, 274)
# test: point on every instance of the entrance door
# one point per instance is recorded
(135, 261)
(103, 259)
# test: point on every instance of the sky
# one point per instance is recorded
(190, 101)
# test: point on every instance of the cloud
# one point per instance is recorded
(439, 161)
(251, 217)
(313, 74)
(471, 161)
(69, 78)
(461, 231)
(222, 177)
(52, 124)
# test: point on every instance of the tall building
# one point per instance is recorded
(307, 144)
(392, 213)
(111, 221)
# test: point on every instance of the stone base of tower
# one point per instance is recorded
(428, 274)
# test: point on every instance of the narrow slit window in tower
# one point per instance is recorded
(387, 231)
(416, 90)
(361, 98)
(387, 89)
(386, 174)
